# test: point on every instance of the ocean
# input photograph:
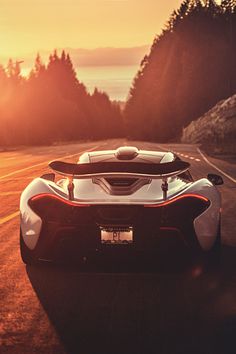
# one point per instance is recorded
(114, 80)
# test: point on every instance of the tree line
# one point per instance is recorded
(51, 105)
(191, 66)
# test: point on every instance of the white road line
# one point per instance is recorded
(9, 217)
(217, 168)
(43, 163)
(180, 154)
(3, 194)
(20, 178)
(21, 170)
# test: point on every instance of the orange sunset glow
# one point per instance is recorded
(118, 176)
(29, 26)
(89, 63)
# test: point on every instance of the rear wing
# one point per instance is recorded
(119, 169)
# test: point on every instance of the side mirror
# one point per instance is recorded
(49, 177)
(215, 179)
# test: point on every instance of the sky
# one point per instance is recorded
(28, 26)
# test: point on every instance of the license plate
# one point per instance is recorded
(117, 236)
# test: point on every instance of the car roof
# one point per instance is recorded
(127, 153)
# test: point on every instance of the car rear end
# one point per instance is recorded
(118, 232)
(124, 205)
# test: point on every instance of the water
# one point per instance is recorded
(114, 80)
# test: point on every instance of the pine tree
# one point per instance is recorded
(184, 8)
(10, 68)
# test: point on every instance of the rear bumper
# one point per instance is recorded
(75, 231)
(63, 242)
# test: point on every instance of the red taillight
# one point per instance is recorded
(57, 198)
(183, 196)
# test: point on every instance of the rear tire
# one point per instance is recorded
(26, 254)
(210, 260)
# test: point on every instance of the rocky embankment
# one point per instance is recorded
(216, 129)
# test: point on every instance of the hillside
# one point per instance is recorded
(216, 129)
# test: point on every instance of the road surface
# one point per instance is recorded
(61, 310)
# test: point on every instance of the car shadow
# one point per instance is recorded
(188, 311)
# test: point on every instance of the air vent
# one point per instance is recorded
(121, 182)
(121, 186)
(126, 153)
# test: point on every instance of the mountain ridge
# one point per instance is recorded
(104, 56)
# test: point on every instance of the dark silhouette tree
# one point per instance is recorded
(190, 67)
(10, 68)
(39, 68)
(52, 105)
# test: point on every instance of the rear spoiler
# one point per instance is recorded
(119, 169)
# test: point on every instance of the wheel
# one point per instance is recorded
(26, 254)
(209, 260)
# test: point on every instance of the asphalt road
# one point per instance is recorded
(54, 309)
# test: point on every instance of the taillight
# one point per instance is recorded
(45, 196)
(57, 209)
(180, 197)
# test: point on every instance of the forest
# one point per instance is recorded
(191, 66)
(52, 105)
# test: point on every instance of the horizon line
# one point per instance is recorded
(44, 50)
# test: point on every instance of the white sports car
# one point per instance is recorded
(124, 204)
